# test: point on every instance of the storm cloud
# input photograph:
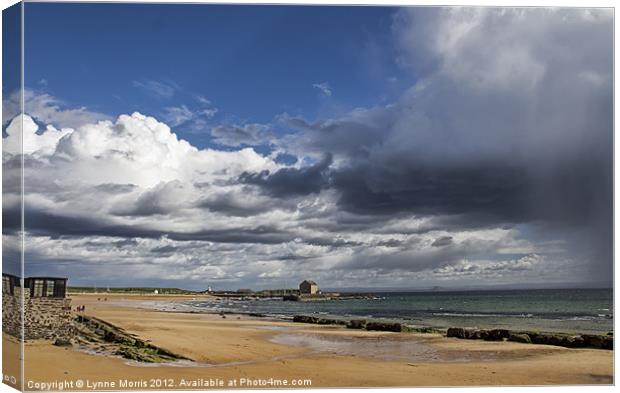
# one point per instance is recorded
(292, 181)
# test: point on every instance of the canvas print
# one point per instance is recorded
(202, 196)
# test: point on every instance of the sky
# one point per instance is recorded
(366, 147)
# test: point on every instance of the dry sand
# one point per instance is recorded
(235, 348)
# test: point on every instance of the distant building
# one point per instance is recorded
(308, 287)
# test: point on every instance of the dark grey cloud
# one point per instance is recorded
(442, 241)
(390, 243)
(332, 242)
(246, 134)
(473, 145)
(160, 200)
(371, 188)
(289, 182)
(148, 204)
(239, 204)
(113, 188)
(408, 260)
(40, 223)
(165, 249)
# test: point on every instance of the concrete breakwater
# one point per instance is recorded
(527, 337)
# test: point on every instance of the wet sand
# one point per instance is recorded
(235, 349)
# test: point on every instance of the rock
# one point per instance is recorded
(63, 342)
(100, 332)
(598, 341)
(482, 334)
(305, 319)
(327, 321)
(520, 338)
(574, 342)
(476, 334)
(471, 334)
(553, 339)
(537, 338)
(457, 332)
(593, 340)
(497, 335)
(384, 326)
(423, 329)
(608, 343)
(357, 324)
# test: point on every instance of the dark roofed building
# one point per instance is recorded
(308, 287)
(46, 286)
(38, 310)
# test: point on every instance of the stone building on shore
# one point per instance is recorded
(47, 311)
(308, 287)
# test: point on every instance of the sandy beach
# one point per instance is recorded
(242, 352)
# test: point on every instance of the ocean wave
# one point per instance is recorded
(481, 315)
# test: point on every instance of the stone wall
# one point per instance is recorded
(45, 317)
(11, 313)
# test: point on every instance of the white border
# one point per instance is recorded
(511, 3)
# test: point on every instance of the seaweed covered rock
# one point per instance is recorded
(385, 326)
(357, 324)
(63, 342)
(573, 342)
(520, 338)
(497, 335)
(457, 332)
(305, 319)
(596, 341)
(331, 321)
(608, 342)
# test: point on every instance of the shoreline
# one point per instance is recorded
(328, 355)
(587, 318)
(600, 340)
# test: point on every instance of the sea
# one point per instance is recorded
(545, 310)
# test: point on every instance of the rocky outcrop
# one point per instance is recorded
(357, 324)
(63, 342)
(520, 338)
(385, 326)
(562, 340)
(92, 331)
(596, 341)
(457, 332)
(305, 319)
(331, 321)
(527, 337)
(497, 335)
(470, 334)
(353, 324)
